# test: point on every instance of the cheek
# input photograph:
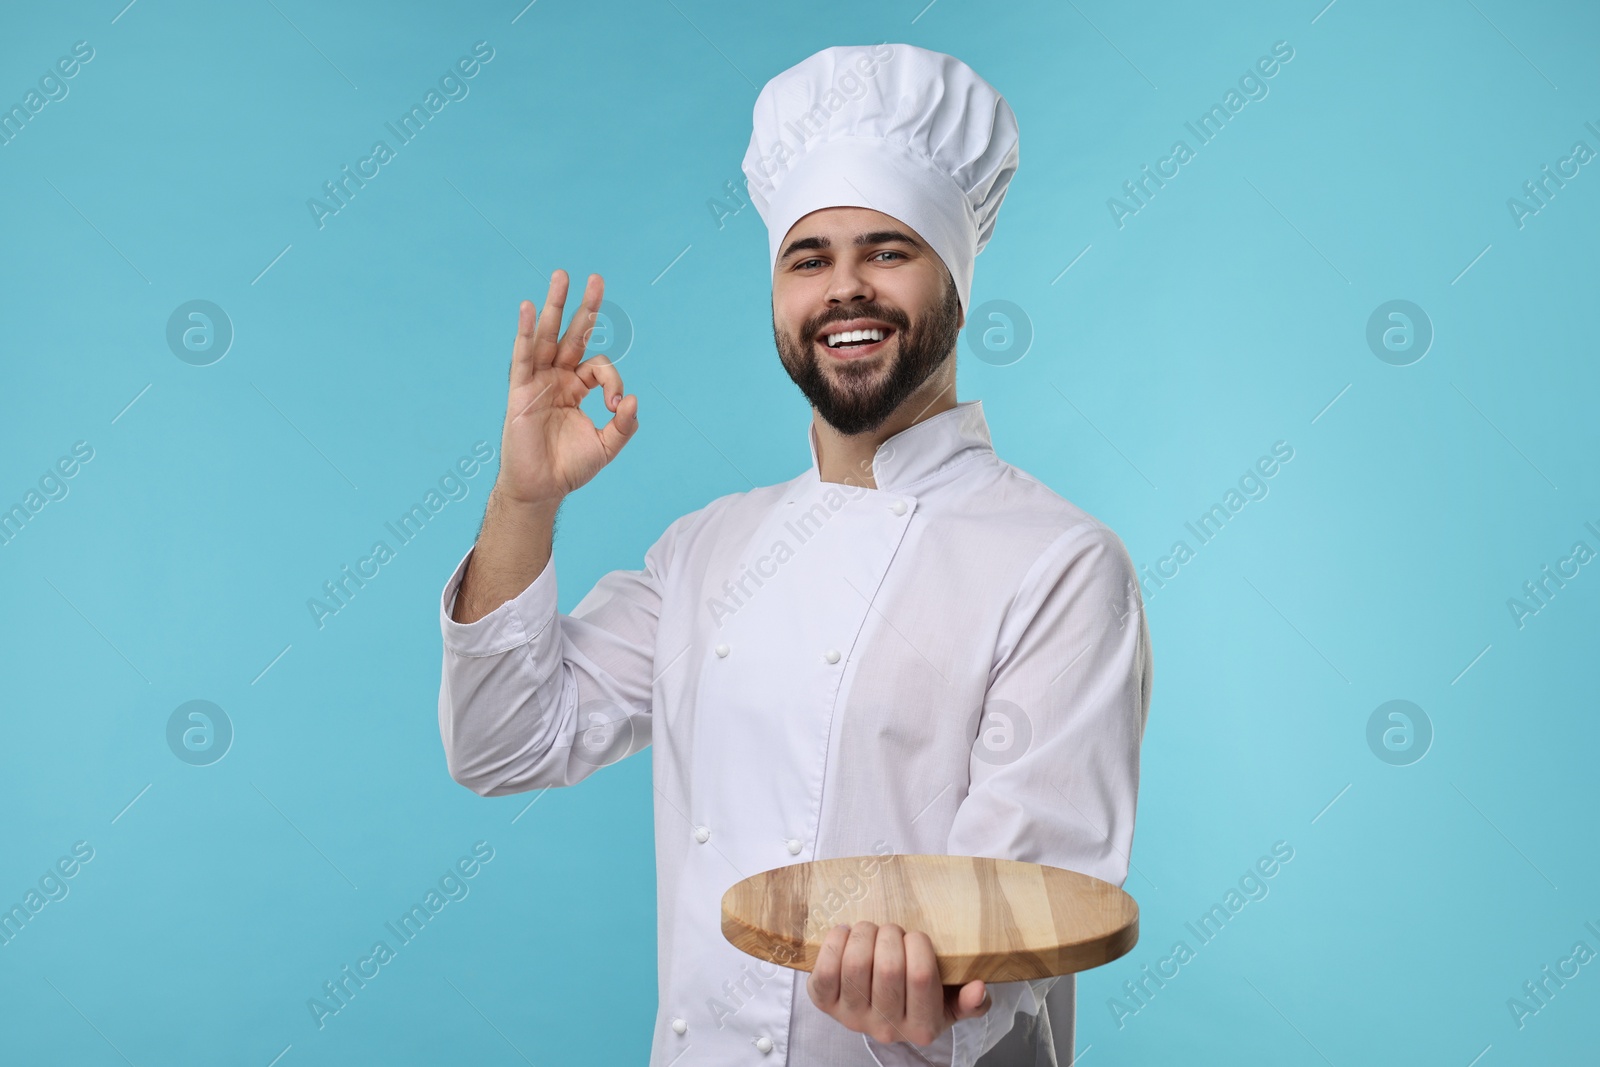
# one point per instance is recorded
(790, 322)
(790, 309)
(913, 296)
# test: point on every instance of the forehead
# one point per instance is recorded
(841, 225)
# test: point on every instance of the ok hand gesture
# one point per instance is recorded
(549, 447)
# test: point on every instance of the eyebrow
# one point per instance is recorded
(876, 237)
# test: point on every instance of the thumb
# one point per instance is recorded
(624, 423)
(973, 1000)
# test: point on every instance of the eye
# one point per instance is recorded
(804, 263)
(889, 252)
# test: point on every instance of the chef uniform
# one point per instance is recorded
(955, 661)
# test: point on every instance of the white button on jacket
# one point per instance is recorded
(954, 662)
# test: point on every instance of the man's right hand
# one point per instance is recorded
(549, 447)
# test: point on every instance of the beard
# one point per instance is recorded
(857, 396)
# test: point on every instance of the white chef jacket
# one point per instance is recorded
(955, 662)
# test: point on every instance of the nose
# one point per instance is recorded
(847, 284)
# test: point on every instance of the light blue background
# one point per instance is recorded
(371, 353)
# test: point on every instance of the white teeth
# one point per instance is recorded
(836, 339)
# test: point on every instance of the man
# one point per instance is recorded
(911, 647)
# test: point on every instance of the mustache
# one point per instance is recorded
(893, 316)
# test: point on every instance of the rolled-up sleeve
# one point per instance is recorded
(531, 698)
(1055, 767)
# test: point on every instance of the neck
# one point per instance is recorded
(847, 458)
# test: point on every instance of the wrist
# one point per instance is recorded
(506, 503)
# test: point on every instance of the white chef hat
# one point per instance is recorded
(914, 134)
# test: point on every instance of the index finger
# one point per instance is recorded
(924, 993)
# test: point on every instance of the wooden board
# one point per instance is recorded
(998, 920)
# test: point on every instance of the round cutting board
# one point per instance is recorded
(998, 920)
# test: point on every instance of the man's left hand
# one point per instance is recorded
(884, 982)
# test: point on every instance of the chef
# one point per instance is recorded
(910, 647)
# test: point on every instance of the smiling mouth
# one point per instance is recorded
(855, 344)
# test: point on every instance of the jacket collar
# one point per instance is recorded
(924, 448)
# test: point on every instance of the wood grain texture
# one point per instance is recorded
(998, 920)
